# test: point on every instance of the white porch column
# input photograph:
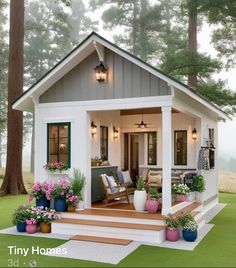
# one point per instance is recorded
(166, 159)
(82, 155)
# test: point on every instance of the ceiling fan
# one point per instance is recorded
(142, 124)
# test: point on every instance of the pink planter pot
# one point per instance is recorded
(172, 234)
(152, 206)
(31, 228)
(180, 197)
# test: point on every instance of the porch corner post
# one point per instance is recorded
(166, 159)
(83, 154)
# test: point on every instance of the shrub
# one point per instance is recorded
(61, 189)
(171, 221)
(199, 184)
(184, 218)
(21, 214)
(78, 183)
(181, 189)
(191, 226)
(140, 183)
(54, 166)
(49, 215)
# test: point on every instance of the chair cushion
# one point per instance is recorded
(112, 183)
(105, 183)
(120, 176)
(126, 176)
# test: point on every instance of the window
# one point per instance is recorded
(180, 142)
(59, 142)
(104, 143)
(152, 148)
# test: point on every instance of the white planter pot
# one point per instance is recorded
(199, 197)
(140, 198)
(191, 196)
(80, 205)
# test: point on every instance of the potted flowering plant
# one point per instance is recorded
(31, 226)
(47, 216)
(172, 227)
(56, 166)
(190, 231)
(42, 192)
(153, 201)
(180, 192)
(59, 193)
(20, 215)
(71, 202)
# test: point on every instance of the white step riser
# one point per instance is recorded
(180, 206)
(122, 233)
(111, 219)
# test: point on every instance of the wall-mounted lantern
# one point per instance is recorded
(115, 134)
(93, 129)
(101, 72)
(194, 134)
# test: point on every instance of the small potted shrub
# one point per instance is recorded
(199, 187)
(42, 193)
(185, 217)
(180, 192)
(20, 215)
(47, 217)
(190, 231)
(56, 167)
(172, 228)
(140, 195)
(77, 185)
(59, 193)
(152, 202)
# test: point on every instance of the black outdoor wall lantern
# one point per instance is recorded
(101, 72)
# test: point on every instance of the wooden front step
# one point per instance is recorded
(105, 240)
(189, 208)
(121, 214)
(111, 224)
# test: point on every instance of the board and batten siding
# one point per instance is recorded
(125, 80)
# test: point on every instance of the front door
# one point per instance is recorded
(134, 156)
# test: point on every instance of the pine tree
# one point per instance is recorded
(13, 180)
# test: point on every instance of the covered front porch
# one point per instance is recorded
(164, 143)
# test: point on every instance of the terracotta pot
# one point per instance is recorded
(152, 206)
(45, 227)
(172, 234)
(180, 197)
(71, 208)
(31, 228)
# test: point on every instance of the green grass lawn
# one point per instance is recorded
(217, 249)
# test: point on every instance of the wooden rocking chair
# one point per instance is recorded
(122, 192)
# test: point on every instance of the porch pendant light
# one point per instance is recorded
(101, 72)
(142, 125)
(93, 129)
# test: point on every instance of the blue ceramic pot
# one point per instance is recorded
(189, 236)
(21, 227)
(43, 203)
(60, 204)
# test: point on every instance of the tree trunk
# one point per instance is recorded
(192, 37)
(13, 180)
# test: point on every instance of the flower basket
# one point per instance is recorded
(31, 226)
(56, 167)
(172, 234)
(152, 206)
(189, 236)
(44, 202)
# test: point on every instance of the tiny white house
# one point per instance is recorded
(102, 102)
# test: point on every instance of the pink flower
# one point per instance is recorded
(30, 198)
(62, 193)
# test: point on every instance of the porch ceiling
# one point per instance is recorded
(156, 110)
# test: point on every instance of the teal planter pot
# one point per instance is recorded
(43, 203)
(60, 204)
(21, 227)
(189, 236)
